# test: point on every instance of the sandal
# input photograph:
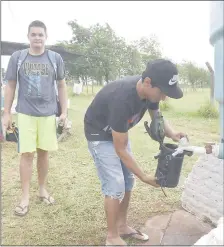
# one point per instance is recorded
(137, 235)
(48, 200)
(23, 210)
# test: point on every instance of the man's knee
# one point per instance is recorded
(27, 157)
(115, 196)
(115, 188)
(42, 153)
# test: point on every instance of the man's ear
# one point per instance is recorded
(147, 82)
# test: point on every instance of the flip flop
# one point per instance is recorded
(137, 235)
(48, 200)
(23, 212)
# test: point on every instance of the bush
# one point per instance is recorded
(165, 105)
(208, 111)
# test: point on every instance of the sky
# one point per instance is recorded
(182, 27)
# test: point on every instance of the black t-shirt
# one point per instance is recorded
(117, 106)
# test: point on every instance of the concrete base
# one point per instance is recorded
(178, 228)
(203, 189)
(214, 237)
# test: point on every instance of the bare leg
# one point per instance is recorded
(112, 211)
(123, 227)
(42, 169)
(122, 220)
(26, 162)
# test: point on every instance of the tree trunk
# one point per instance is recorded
(92, 88)
(86, 81)
(107, 77)
(212, 83)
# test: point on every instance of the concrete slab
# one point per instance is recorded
(173, 240)
(185, 223)
(155, 236)
(158, 222)
(177, 228)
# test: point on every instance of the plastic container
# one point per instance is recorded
(169, 167)
(60, 128)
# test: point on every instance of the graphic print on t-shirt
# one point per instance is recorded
(108, 129)
(131, 122)
(34, 72)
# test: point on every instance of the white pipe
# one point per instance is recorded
(197, 150)
(194, 149)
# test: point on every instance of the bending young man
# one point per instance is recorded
(117, 108)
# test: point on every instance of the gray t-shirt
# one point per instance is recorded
(36, 94)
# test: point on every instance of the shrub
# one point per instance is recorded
(165, 105)
(208, 110)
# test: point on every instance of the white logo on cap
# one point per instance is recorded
(173, 80)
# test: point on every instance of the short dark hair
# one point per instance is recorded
(37, 24)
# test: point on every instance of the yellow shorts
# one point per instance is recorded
(36, 132)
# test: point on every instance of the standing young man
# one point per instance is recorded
(36, 108)
(118, 107)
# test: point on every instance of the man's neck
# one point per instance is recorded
(139, 89)
(36, 52)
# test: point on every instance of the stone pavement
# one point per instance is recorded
(177, 228)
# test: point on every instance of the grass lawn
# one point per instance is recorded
(78, 217)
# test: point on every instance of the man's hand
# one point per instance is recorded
(62, 118)
(150, 180)
(7, 120)
(176, 136)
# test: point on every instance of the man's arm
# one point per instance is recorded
(118, 120)
(9, 94)
(62, 87)
(11, 78)
(169, 131)
(63, 97)
(120, 141)
(120, 112)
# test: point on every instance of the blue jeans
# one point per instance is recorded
(115, 178)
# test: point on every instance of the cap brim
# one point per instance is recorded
(174, 92)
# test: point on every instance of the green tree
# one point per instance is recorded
(191, 74)
(80, 67)
(107, 56)
(149, 48)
